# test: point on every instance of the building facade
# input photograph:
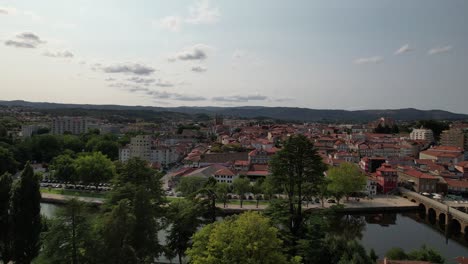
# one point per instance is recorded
(72, 125)
(422, 134)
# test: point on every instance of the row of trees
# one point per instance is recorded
(342, 181)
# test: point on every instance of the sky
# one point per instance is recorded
(322, 54)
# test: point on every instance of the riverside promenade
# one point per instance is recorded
(381, 203)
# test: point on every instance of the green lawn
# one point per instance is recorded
(73, 193)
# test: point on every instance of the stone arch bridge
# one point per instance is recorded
(451, 220)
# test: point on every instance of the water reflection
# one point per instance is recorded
(410, 231)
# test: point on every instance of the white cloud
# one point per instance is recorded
(403, 49)
(25, 40)
(203, 13)
(128, 68)
(59, 54)
(240, 98)
(199, 69)
(438, 50)
(369, 60)
(172, 23)
(195, 52)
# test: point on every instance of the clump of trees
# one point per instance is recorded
(423, 254)
(89, 168)
(345, 180)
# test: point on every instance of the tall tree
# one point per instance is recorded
(116, 236)
(208, 202)
(190, 185)
(346, 179)
(141, 187)
(5, 223)
(257, 189)
(7, 161)
(26, 217)
(291, 167)
(222, 191)
(184, 217)
(68, 236)
(63, 167)
(241, 186)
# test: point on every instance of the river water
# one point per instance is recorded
(384, 231)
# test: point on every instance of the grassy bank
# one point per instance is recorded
(73, 193)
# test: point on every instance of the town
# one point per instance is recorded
(232, 132)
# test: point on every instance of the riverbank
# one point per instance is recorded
(382, 203)
(62, 199)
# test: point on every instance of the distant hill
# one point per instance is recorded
(283, 113)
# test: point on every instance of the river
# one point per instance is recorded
(384, 231)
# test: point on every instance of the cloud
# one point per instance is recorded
(203, 13)
(139, 80)
(438, 50)
(110, 79)
(369, 60)
(240, 98)
(196, 52)
(25, 40)
(129, 68)
(280, 100)
(172, 23)
(59, 54)
(199, 69)
(156, 94)
(7, 10)
(403, 49)
(175, 96)
(161, 83)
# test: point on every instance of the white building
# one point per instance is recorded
(371, 188)
(73, 125)
(142, 147)
(422, 134)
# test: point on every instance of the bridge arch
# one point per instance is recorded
(413, 200)
(466, 233)
(442, 217)
(455, 227)
(432, 216)
(422, 210)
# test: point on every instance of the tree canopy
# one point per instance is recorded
(247, 238)
(291, 167)
(346, 179)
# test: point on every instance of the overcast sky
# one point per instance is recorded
(316, 54)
